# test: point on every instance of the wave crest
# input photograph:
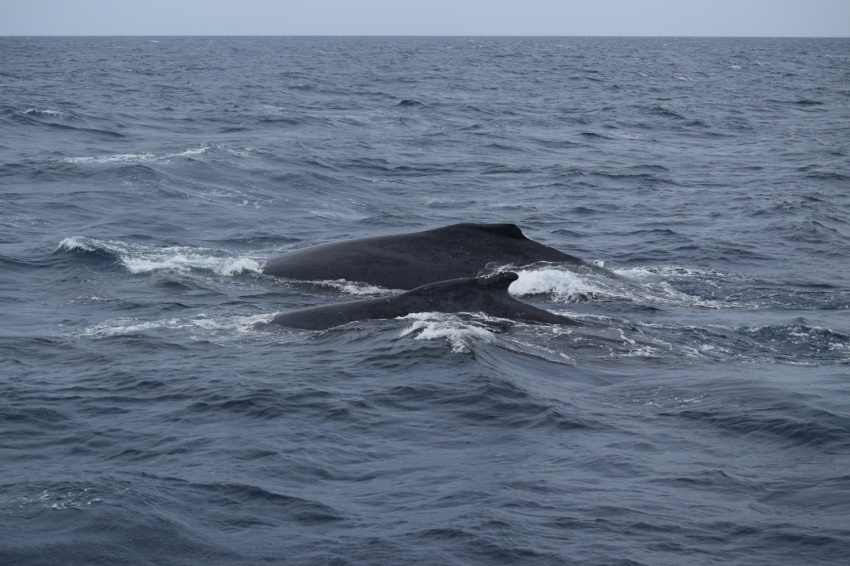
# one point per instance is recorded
(138, 258)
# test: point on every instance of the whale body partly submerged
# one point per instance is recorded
(488, 295)
(407, 261)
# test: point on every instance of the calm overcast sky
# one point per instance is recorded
(814, 18)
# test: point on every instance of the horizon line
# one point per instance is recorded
(353, 35)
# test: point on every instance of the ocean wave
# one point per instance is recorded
(792, 344)
(139, 157)
(205, 151)
(800, 343)
(121, 158)
(719, 289)
(786, 422)
(565, 286)
(287, 507)
(185, 259)
(77, 496)
(410, 103)
(48, 112)
(674, 271)
(98, 132)
(138, 258)
(460, 334)
(222, 324)
(570, 287)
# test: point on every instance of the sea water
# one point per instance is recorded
(149, 414)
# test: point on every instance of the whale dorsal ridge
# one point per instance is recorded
(506, 230)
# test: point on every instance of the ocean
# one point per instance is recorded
(151, 414)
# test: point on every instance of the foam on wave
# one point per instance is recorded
(354, 287)
(643, 285)
(146, 157)
(442, 326)
(239, 324)
(138, 258)
(561, 285)
(47, 112)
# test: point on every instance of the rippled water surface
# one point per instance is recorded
(150, 414)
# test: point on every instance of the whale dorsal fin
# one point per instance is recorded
(491, 283)
(498, 281)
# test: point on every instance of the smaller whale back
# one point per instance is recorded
(497, 283)
(488, 295)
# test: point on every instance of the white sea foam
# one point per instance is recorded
(186, 259)
(655, 285)
(191, 152)
(138, 157)
(120, 158)
(458, 333)
(562, 285)
(652, 286)
(239, 324)
(354, 287)
(77, 243)
(47, 112)
(339, 215)
(628, 135)
(69, 498)
(640, 352)
(143, 259)
(242, 324)
(670, 271)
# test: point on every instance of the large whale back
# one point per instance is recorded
(488, 295)
(407, 261)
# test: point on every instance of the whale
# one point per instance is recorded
(410, 260)
(488, 295)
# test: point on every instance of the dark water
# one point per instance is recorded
(150, 415)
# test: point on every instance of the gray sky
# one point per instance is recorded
(814, 18)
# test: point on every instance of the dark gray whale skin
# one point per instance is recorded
(478, 294)
(407, 261)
